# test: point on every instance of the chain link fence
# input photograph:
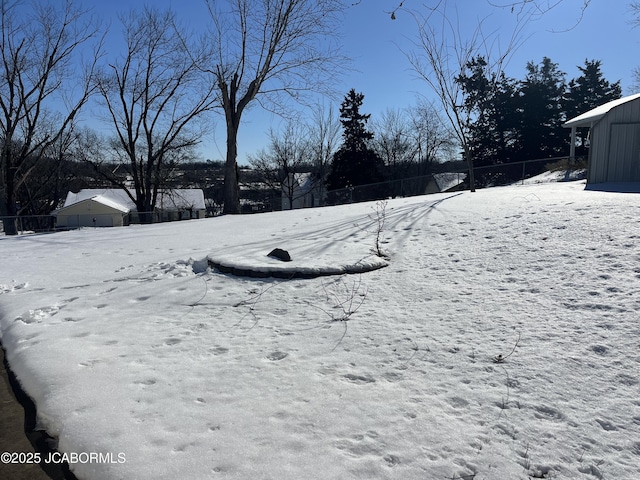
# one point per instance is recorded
(49, 223)
(485, 176)
(29, 223)
(451, 180)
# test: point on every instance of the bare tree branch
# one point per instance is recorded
(288, 156)
(442, 55)
(270, 51)
(155, 96)
(533, 9)
(48, 57)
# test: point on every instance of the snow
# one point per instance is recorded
(102, 199)
(174, 199)
(129, 344)
(556, 176)
(448, 180)
(588, 118)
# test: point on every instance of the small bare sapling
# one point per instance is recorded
(379, 221)
(345, 299)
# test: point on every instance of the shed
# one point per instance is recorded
(96, 211)
(614, 153)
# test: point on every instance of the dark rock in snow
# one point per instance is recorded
(280, 254)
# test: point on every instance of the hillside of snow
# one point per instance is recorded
(498, 339)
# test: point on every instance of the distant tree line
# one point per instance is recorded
(157, 97)
(515, 120)
(343, 151)
(509, 121)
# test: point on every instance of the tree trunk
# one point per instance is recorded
(231, 190)
(9, 223)
(472, 177)
(8, 207)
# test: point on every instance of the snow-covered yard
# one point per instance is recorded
(129, 346)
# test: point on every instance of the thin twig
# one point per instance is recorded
(499, 358)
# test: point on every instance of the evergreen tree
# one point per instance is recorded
(588, 91)
(355, 163)
(494, 131)
(519, 120)
(542, 111)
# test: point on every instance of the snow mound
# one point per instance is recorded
(557, 176)
(337, 258)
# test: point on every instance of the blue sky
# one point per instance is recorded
(381, 71)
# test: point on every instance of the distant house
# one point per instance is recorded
(445, 182)
(614, 153)
(96, 211)
(302, 190)
(104, 207)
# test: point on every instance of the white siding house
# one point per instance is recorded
(106, 207)
(614, 153)
(96, 211)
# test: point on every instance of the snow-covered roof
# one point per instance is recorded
(448, 180)
(110, 203)
(181, 198)
(117, 196)
(592, 116)
(102, 199)
(176, 199)
(304, 180)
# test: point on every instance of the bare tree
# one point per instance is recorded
(285, 166)
(48, 184)
(49, 54)
(441, 57)
(534, 9)
(325, 133)
(393, 143)
(433, 140)
(269, 51)
(155, 96)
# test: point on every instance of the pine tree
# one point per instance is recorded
(590, 90)
(586, 92)
(355, 163)
(542, 111)
(494, 131)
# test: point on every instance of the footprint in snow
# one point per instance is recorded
(359, 379)
(606, 425)
(392, 460)
(276, 356)
(147, 382)
(37, 315)
(11, 288)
